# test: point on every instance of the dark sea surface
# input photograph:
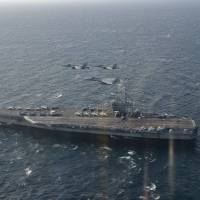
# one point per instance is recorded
(158, 51)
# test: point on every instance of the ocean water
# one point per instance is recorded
(158, 51)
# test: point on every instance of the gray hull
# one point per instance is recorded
(143, 128)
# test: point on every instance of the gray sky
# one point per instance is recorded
(70, 1)
(48, 1)
(87, 1)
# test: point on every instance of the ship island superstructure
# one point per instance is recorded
(119, 119)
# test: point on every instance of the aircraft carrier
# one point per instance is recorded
(118, 119)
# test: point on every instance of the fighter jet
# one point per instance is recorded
(77, 67)
(115, 66)
(105, 81)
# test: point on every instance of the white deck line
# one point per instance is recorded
(29, 120)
